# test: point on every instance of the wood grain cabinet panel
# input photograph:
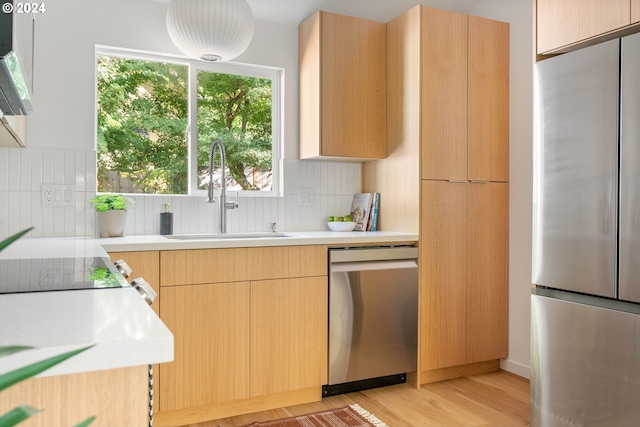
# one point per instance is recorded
(464, 273)
(443, 275)
(397, 177)
(342, 63)
(116, 397)
(210, 323)
(145, 264)
(250, 330)
(288, 334)
(465, 97)
(444, 94)
(635, 11)
(448, 126)
(487, 271)
(187, 267)
(562, 23)
(488, 100)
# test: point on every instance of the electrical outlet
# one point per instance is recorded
(305, 196)
(58, 195)
(52, 277)
(47, 195)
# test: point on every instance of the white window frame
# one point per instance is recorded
(276, 75)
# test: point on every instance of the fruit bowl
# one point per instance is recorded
(341, 225)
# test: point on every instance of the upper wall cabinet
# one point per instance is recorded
(342, 87)
(565, 23)
(635, 11)
(465, 97)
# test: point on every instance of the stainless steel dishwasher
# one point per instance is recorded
(373, 317)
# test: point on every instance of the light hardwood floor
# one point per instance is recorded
(497, 399)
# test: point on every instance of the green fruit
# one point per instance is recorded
(347, 218)
(339, 219)
(331, 219)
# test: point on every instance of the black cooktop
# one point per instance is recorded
(58, 274)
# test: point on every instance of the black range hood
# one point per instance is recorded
(16, 60)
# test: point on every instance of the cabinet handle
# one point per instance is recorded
(460, 181)
(479, 182)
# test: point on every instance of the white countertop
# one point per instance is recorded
(156, 242)
(124, 329)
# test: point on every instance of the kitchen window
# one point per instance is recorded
(157, 116)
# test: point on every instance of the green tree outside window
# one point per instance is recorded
(143, 117)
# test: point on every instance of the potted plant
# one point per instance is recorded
(112, 213)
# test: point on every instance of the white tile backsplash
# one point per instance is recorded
(24, 171)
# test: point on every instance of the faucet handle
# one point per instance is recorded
(210, 196)
(232, 204)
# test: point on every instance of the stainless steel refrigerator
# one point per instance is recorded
(585, 303)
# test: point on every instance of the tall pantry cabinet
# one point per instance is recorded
(447, 158)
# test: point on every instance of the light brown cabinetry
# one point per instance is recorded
(342, 63)
(635, 11)
(116, 397)
(144, 264)
(288, 334)
(488, 100)
(465, 97)
(210, 325)
(448, 81)
(250, 330)
(564, 23)
(463, 274)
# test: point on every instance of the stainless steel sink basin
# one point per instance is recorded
(218, 236)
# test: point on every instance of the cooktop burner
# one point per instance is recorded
(58, 274)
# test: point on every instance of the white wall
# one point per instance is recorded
(520, 14)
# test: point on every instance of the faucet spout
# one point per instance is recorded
(224, 205)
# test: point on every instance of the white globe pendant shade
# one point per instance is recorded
(213, 30)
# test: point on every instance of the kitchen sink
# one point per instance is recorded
(217, 236)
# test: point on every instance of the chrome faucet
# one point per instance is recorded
(224, 205)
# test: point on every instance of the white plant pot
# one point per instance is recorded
(111, 223)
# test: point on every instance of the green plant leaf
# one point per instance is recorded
(9, 240)
(9, 350)
(13, 377)
(85, 423)
(111, 202)
(17, 415)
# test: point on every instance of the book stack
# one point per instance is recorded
(364, 211)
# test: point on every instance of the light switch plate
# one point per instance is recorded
(58, 195)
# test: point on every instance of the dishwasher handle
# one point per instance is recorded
(346, 267)
(378, 253)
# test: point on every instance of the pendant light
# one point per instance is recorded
(212, 30)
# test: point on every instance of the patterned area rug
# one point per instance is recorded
(349, 416)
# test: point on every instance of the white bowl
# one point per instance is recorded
(341, 226)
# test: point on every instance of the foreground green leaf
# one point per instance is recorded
(13, 377)
(17, 415)
(9, 350)
(9, 240)
(85, 423)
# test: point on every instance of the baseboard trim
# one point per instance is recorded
(452, 372)
(516, 368)
(217, 411)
